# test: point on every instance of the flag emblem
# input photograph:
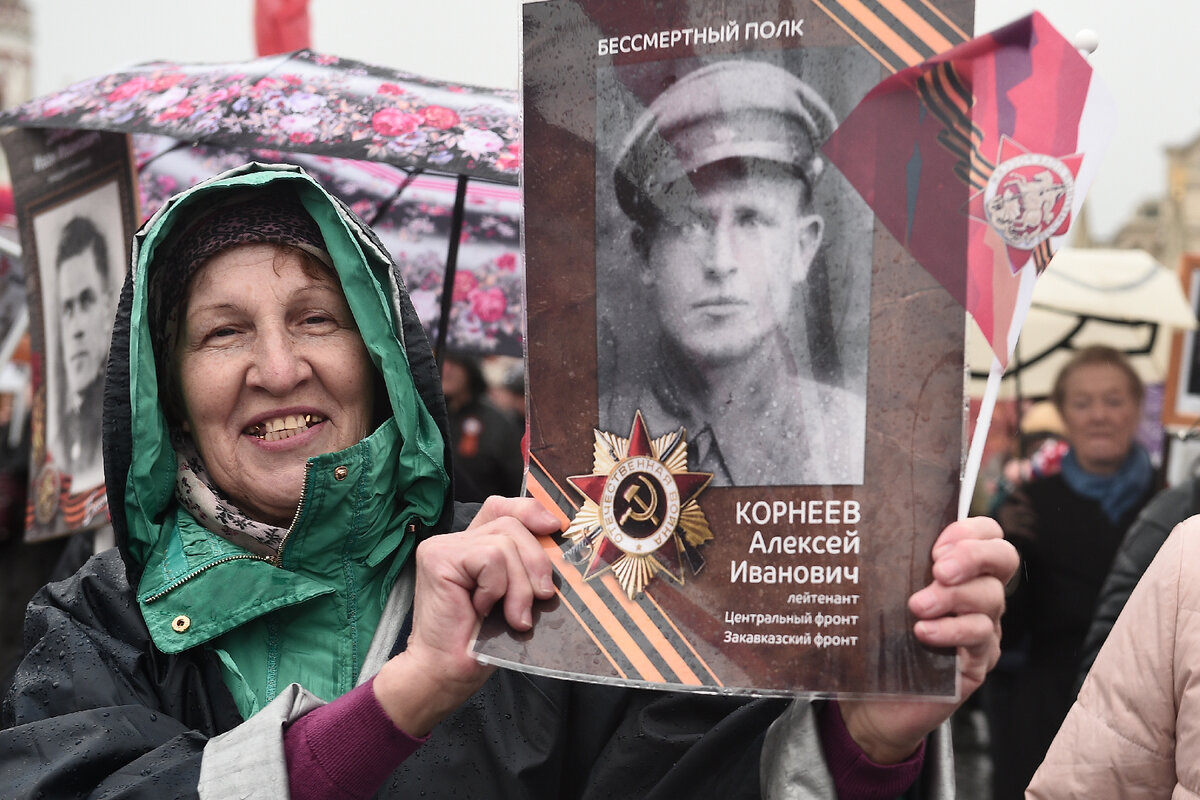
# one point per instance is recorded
(1027, 199)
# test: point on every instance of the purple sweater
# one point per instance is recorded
(346, 749)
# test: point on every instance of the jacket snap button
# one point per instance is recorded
(181, 624)
(341, 472)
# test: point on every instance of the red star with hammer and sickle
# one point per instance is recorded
(688, 484)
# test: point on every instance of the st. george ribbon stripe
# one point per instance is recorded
(636, 637)
(898, 33)
(948, 99)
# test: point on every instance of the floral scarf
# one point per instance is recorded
(199, 496)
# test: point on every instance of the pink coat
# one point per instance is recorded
(1134, 731)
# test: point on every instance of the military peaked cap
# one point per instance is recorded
(730, 109)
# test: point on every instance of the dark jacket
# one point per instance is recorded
(487, 452)
(99, 709)
(1141, 543)
(100, 712)
(1066, 545)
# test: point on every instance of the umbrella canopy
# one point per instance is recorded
(303, 102)
(413, 216)
(1121, 298)
(307, 104)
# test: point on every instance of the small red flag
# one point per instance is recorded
(977, 161)
(281, 26)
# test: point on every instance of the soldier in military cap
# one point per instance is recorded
(717, 176)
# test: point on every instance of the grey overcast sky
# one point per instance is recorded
(1145, 57)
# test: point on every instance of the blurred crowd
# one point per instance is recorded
(487, 422)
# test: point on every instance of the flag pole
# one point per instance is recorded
(979, 438)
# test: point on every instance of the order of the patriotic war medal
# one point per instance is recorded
(46, 489)
(640, 517)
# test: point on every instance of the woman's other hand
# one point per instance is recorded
(460, 576)
(959, 609)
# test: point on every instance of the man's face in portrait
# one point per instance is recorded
(84, 303)
(722, 265)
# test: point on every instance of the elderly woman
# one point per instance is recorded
(275, 450)
(1067, 528)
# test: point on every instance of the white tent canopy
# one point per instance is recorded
(1121, 298)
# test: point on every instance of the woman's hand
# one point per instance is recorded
(961, 609)
(460, 576)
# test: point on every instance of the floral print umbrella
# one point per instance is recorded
(299, 102)
(413, 216)
(328, 113)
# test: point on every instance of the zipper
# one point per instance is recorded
(277, 559)
(191, 575)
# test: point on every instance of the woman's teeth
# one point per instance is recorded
(273, 430)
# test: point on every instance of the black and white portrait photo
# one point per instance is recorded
(734, 263)
(81, 267)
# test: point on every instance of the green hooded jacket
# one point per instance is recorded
(306, 614)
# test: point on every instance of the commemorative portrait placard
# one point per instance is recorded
(75, 196)
(745, 395)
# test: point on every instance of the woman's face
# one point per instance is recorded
(272, 370)
(1101, 414)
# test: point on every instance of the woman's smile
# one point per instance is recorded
(273, 430)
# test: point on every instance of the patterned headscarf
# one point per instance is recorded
(252, 217)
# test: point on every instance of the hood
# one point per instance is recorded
(139, 462)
